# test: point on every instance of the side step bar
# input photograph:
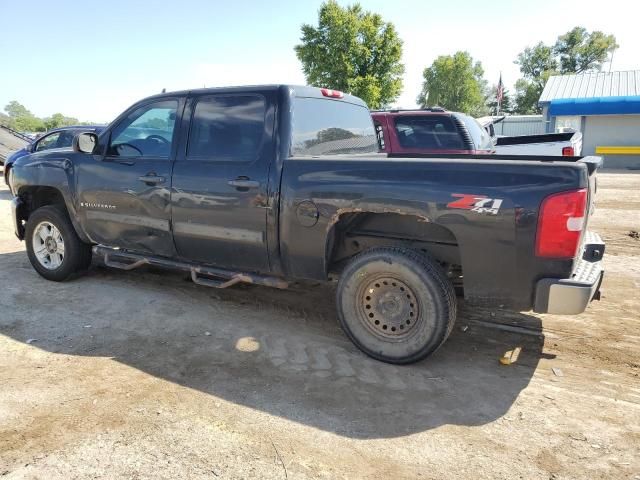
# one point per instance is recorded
(200, 274)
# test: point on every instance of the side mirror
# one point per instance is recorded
(30, 147)
(85, 142)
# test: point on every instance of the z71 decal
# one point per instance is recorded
(476, 203)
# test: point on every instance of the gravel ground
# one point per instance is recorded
(144, 375)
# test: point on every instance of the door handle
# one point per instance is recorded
(151, 179)
(243, 183)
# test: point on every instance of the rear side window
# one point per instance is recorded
(480, 136)
(227, 127)
(330, 127)
(431, 132)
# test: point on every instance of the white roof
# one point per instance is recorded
(592, 85)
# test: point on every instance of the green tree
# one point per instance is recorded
(354, 51)
(58, 120)
(527, 95)
(536, 62)
(576, 51)
(16, 110)
(21, 119)
(581, 51)
(455, 82)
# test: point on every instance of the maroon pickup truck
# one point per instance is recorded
(432, 130)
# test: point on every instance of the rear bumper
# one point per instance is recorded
(571, 296)
(16, 213)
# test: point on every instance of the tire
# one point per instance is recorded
(395, 304)
(53, 223)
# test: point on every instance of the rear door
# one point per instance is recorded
(220, 181)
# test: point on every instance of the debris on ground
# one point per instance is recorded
(557, 372)
(31, 340)
(634, 234)
(510, 356)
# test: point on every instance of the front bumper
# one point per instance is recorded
(16, 213)
(571, 296)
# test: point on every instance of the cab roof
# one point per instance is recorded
(294, 91)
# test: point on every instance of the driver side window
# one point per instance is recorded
(146, 132)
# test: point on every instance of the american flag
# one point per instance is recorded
(500, 91)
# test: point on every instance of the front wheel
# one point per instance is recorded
(395, 304)
(53, 246)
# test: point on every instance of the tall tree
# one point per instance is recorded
(527, 95)
(454, 82)
(354, 51)
(58, 120)
(16, 110)
(580, 51)
(22, 119)
(576, 51)
(536, 62)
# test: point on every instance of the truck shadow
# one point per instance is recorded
(280, 352)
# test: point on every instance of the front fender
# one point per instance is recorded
(48, 170)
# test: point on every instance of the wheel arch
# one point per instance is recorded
(355, 231)
(37, 196)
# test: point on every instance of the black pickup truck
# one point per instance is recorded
(269, 184)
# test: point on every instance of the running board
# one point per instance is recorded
(200, 274)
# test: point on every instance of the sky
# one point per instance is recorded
(91, 61)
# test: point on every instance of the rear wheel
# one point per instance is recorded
(395, 304)
(54, 249)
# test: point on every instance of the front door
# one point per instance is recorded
(124, 195)
(219, 192)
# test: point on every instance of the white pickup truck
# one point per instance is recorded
(567, 144)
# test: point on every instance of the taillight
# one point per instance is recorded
(568, 152)
(327, 92)
(560, 224)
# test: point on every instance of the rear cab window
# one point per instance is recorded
(428, 132)
(331, 127)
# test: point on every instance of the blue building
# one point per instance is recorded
(605, 107)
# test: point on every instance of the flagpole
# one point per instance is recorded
(499, 95)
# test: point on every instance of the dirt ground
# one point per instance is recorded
(145, 375)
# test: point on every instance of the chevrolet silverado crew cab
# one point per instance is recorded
(270, 184)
